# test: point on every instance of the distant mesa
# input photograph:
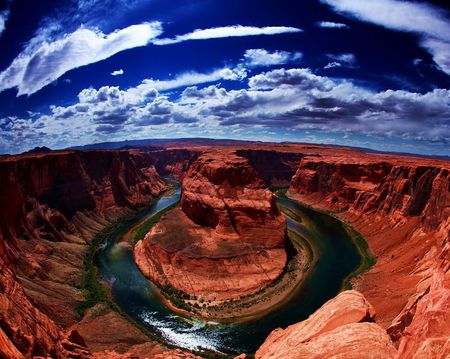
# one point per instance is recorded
(38, 149)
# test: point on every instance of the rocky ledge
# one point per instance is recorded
(342, 328)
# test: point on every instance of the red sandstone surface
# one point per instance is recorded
(401, 205)
(227, 238)
(51, 204)
(342, 328)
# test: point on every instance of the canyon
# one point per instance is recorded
(227, 226)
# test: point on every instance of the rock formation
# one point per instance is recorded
(401, 205)
(51, 206)
(342, 328)
(227, 238)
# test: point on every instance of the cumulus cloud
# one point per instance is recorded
(117, 72)
(298, 99)
(431, 23)
(282, 99)
(227, 31)
(38, 66)
(332, 25)
(262, 57)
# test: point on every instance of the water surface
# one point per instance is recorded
(337, 258)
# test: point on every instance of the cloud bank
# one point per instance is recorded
(429, 22)
(285, 100)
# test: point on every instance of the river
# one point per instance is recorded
(337, 258)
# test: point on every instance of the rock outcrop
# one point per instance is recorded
(51, 206)
(342, 328)
(227, 238)
(401, 205)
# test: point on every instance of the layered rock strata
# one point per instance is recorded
(52, 205)
(225, 240)
(401, 206)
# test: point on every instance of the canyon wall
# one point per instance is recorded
(401, 205)
(225, 240)
(174, 162)
(276, 167)
(52, 205)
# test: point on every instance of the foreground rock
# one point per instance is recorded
(341, 328)
(226, 240)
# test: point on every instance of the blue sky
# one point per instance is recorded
(362, 73)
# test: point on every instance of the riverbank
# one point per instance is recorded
(368, 260)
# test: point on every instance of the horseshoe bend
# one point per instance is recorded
(226, 233)
(227, 239)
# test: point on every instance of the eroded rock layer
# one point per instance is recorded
(227, 238)
(401, 205)
(52, 205)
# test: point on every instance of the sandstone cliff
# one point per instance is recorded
(401, 205)
(227, 238)
(51, 206)
(276, 167)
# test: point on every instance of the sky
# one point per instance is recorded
(373, 73)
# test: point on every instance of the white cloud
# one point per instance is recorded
(38, 66)
(194, 78)
(332, 25)
(281, 100)
(3, 17)
(117, 72)
(428, 21)
(262, 57)
(330, 65)
(340, 60)
(227, 31)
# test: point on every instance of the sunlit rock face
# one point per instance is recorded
(401, 205)
(227, 237)
(342, 328)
